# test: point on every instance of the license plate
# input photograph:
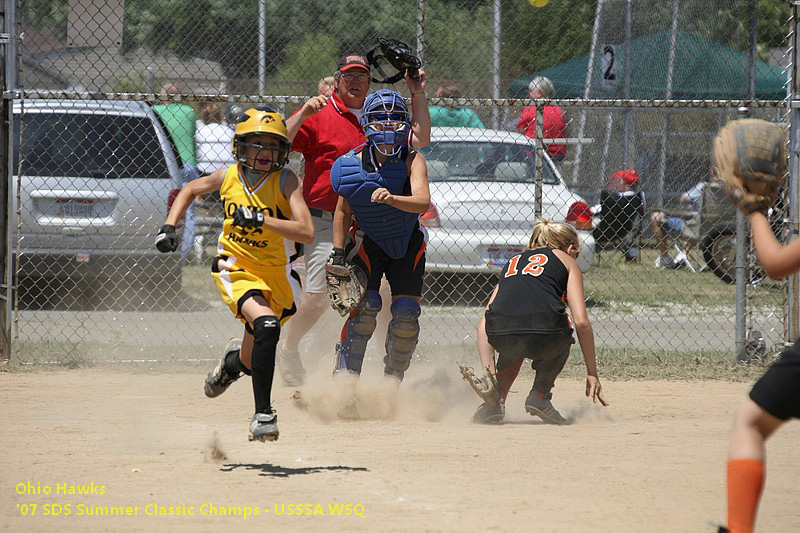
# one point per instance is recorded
(496, 256)
(75, 208)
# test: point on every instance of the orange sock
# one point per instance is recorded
(506, 377)
(745, 482)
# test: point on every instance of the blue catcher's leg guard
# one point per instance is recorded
(402, 338)
(357, 331)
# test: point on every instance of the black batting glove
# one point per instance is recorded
(337, 257)
(248, 218)
(167, 239)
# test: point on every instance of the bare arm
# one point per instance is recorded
(300, 228)
(485, 350)
(583, 328)
(778, 261)
(420, 199)
(310, 108)
(420, 116)
(192, 190)
(342, 217)
(577, 307)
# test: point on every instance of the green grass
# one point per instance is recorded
(611, 279)
(68, 354)
(613, 363)
(626, 363)
(624, 288)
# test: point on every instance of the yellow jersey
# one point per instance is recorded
(254, 248)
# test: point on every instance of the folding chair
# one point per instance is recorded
(621, 221)
(715, 208)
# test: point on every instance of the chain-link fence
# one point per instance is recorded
(119, 103)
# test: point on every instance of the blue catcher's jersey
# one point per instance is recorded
(389, 227)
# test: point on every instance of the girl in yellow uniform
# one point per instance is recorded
(263, 206)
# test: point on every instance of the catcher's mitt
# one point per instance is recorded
(346, 285)
(486, 387)
(398, 54)
(750, 156)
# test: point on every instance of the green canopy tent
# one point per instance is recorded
(703, 69)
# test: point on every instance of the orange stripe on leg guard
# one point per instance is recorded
(420, 254)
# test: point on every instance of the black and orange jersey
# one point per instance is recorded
(531, 294)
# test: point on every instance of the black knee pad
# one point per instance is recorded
(266, 331)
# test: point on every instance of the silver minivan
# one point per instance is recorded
(96, 181)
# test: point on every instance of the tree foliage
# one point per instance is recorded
(304, 38)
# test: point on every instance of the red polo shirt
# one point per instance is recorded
(322, 139)
(553, 127)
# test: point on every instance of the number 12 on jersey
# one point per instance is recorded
(535, 265)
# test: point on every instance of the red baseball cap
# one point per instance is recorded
(352, 62)
(629, 176)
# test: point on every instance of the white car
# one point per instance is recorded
(482, 200)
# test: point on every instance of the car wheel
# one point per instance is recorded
(719, 251)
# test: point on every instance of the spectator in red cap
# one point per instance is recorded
(622, 208)
(324, 129)
(623, 181)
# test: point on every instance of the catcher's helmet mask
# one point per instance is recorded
(399, 55)
(386, 122)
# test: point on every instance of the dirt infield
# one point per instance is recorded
(146, 444)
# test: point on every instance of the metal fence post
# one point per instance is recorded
(420, 29)
(8, 83)
(262, 47)
(793, 287)
(587, 92)
(539, 159)
(5, 193)
(663, 145)
(496, 63)
(742, 273)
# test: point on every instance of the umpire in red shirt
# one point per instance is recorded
(323, 130)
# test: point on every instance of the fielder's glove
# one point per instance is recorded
(485, 387)
(750, 156)
(167, 239)
(248, 218)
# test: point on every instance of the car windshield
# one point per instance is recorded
(484, 161)
(89, 146)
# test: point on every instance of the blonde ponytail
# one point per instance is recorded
(556, 235)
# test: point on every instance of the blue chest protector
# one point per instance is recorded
(389, 227)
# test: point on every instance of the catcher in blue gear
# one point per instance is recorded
(383, 189)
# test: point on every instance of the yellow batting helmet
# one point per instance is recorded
(262, 120)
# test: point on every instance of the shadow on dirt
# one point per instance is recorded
(271, 470)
